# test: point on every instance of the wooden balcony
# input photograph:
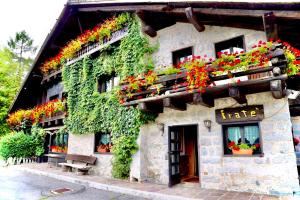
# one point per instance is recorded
(174, 94)
(95, 47)
(53, 121)
(53, 77)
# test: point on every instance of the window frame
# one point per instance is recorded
(95, 147)
(241, 124)
(227, 40)
(175, 57)
(102, 83)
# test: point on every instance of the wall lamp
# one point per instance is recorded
(207, 124)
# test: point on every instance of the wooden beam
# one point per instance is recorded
(270, 26)
(193, 19)
(201, 100)
(211, 90)
(146, 28)
(150, 107)
(175, 104)
(245, 13)
(236, 94)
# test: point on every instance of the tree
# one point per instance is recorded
(21, 45)
(9, 85)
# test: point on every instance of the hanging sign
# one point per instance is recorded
(240, 114)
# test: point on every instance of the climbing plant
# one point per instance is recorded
(90, 111)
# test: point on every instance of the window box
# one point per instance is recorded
(242, 139)
(242, 152)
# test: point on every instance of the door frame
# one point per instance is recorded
(197, 145)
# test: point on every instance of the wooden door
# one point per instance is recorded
(174, 154)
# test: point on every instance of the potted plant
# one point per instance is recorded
(104, 144)
(242, 148)
(53, 148)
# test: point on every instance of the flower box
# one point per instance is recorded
(242, 152)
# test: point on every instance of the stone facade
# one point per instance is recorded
(274, 172)
(182, 35)
(84, 145)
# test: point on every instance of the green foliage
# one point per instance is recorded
(21, 145)
(92, 112)
(59, 136)
(19, 46)
(169, 70)
(16, 145)
(9, 84)
(123, 149)
(291, 58)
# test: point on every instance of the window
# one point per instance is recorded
(106, 84)
(182, 54)
(53, 97)
(103, 142)
(59, 142)
(230, 46)
(246, 133)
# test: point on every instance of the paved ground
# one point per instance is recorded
(146, 190)
(19, 185)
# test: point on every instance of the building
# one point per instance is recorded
(188, 141)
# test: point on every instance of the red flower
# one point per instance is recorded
(296, 141)
(231, 144)
(236, 148)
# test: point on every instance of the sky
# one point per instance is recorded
(36, 17)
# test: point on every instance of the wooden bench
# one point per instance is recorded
(81, 164)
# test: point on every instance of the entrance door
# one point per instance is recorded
(174, 154)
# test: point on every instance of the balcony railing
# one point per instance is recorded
(92, 48)
(56, 120)
(175, 94)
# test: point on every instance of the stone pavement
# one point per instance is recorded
(146, 190)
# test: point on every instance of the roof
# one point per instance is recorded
(88, 13)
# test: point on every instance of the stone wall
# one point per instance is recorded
(84, 145)
(273, 173)
(182, 35)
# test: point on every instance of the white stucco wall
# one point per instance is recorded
(84, 145)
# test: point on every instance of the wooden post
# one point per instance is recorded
(270, 26)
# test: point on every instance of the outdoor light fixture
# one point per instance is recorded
(207, 124)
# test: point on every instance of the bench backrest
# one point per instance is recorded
(81, 158)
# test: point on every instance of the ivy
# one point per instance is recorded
(92, 112)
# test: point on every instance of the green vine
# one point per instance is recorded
(92, 112)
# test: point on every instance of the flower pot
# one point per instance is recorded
(102, 150)
(242, 152)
